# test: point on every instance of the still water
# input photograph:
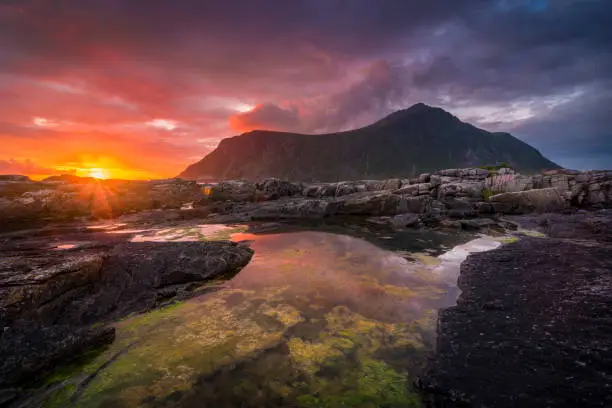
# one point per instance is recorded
(317, 319)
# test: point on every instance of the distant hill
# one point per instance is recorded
(69, 178)
(404, 144)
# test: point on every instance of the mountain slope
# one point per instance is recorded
(403, 144)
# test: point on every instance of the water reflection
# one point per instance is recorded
(315, 320)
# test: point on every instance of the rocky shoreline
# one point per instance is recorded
(456, 198)
(532, 326)
(55, 300)
(445, 196)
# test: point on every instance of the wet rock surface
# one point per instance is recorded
(59, 286)
(532, 326)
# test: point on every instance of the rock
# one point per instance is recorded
(532, 316)
(391, 184)
(82, 286)
(273, 189)
(49, 296)
(505, 170)
(322, 190)
(294, 208)
(560, 182)
(478, 223)
(484, 207)
(472, 189)
(541, 200)
(415, 189)
(32, 287)
(506, 183)
(472, 174)
(63, 200)
(152, 267)
(409, 190)
(347, 187)
(397, 221)
(319, 190)
(448, 172)
(28, 353)
(538, 181)
(434, 213)
(418, 205)
(450, 224)
(459, 207)
(435, 180)
(445, 179)
(235, 190)
(372, 203)
(424, 178)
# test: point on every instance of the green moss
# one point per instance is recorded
(167, 349)
(84, 364)
(340, 369)
(532, 233)
(61, 397)
(508, 239)
(370, 383)
(495, 167)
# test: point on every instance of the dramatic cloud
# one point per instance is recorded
(266, 116)
(12, 166)
(153, 85)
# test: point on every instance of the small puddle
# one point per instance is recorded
(65, 246)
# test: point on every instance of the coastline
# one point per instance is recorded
(532, 325)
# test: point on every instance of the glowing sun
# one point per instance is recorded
(98, 173)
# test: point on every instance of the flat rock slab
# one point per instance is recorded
(86, 285)
(532, 328)
(53, 299)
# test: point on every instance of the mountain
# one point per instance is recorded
(405, 143)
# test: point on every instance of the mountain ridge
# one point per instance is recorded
(404, 143)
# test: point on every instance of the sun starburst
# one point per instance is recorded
(98, 173)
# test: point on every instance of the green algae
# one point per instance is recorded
(165, 350)
(340, 367)
(508, 239)
(60, 397)
(531, 233)
(85, 363)
(424, 287)
(316, 324)
(370, 383)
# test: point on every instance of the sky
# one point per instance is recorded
(142, 88)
